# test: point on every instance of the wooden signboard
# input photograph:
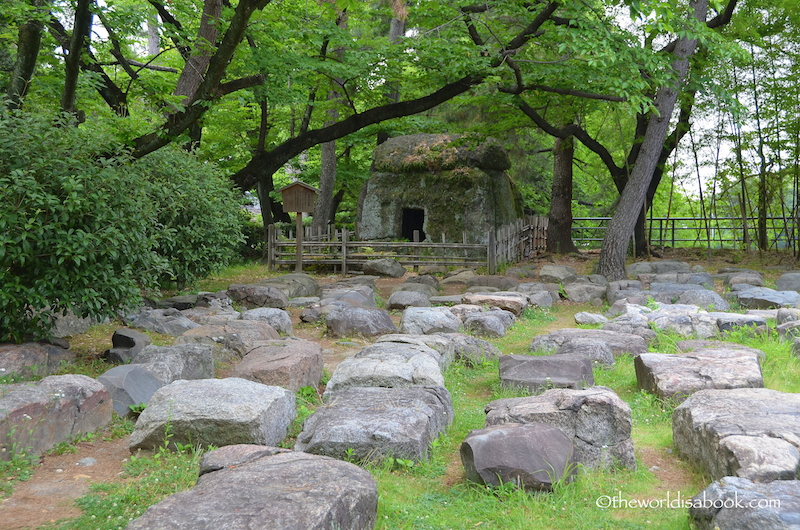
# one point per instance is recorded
(298, 197)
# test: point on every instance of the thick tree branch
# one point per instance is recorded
(723, 18)
(238, 84)
(268, 162)
(167, 17)
(562, 91)
(154, 67)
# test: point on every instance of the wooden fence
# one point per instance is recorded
(337, 248)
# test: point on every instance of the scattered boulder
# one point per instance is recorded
(291, 364)
(426, 279)
(657, 267)
(129, 385)
(747, 432)
(67, 323)
(390, 365)
(279, 319)
(34, 417)
(705, 299)
(404, 299)
(551, 273)
(357, 295)
(384, 267)
(370, 424)
(183, 361)
(33, 359)
(214, 412)
(626, 289)
(533, 456)
(597, 352)
(508, 301)
(591, 319)
(181, 302)
(731, 321)
(458, 277)
(425, 321)
(584, 292)
(596, 420)
(501, 283)
(472, 350)
(349, 321)
(677, 376)
(541, 299)
(444, 345)
(485, 324)
(249, 486)
(230, 341)
(253, 295)
(765, 298)
(618, 342)
(293, 285)
(212, 310)
(126, 344)
(165, 321)
(734, 503)
(789, 281)
(421, 288)
(538, 373)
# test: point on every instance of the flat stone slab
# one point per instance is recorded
(765, 298)
(618, 342)
(734, 503)
(677, 376)
(215, 412)
(279, 319)
(389, 365)
(230, 341)
(170, 363)
(34, 417)
(242, 487)
(427, 320)
(291, 364)
(444, 345)
(731, 321)
(514, 302)
(165, 321)
(596, 420)
(536, 373)
(375, 423)
(532, 456)
(752, 433)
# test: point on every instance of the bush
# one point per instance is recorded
(74, 226)
(198, 225)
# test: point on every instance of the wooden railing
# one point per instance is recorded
(337, 248)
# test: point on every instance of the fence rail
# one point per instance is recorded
(335, 247)
(718, 232)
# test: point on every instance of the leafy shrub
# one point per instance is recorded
(74, 226)
(198, 223)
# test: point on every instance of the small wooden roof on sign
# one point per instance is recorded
(298, 197)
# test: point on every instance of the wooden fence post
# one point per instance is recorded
(344, 251)
(271, 247)
(491, 253)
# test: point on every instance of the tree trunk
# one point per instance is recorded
(620, 228)
(80, 32)
(29, 39)
(559, 232)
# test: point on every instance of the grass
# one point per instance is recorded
(434, 494)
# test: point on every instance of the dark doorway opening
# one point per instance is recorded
(413, 219)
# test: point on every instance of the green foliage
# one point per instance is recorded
(74, 226)
(198, 219)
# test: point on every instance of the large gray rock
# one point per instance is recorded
(591, 319)
(618, 342)
(705, 299)
(472, 350)
(404, 299)
(596, 420)
(242, 487)
(625, 289)
(384, 267)
(353, 295)
(126, 343)
(584, 292)
(170, 363)
(424, 321)
(532, 456)
(765, 298)
(502, 283)
(416, 287)
(789, 281)
(551, 273)
(374, 423)
(214, 412)
(165, 321)
(485, 324)
(731, 321)
(597, 352)
(425, 279)
(215, 310)
(252, 295)
(538, 373)
(349, 321)
(444, 345)
(34, 417)
(677, 376)
(752, 433)
(388, 364)
(230, 341)
(129, 385)
(67, 323)
(290, 363)
(734, 503)
(510, 301)
(293, 285)
(33, 359)
(279, 319)
(657, 267)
